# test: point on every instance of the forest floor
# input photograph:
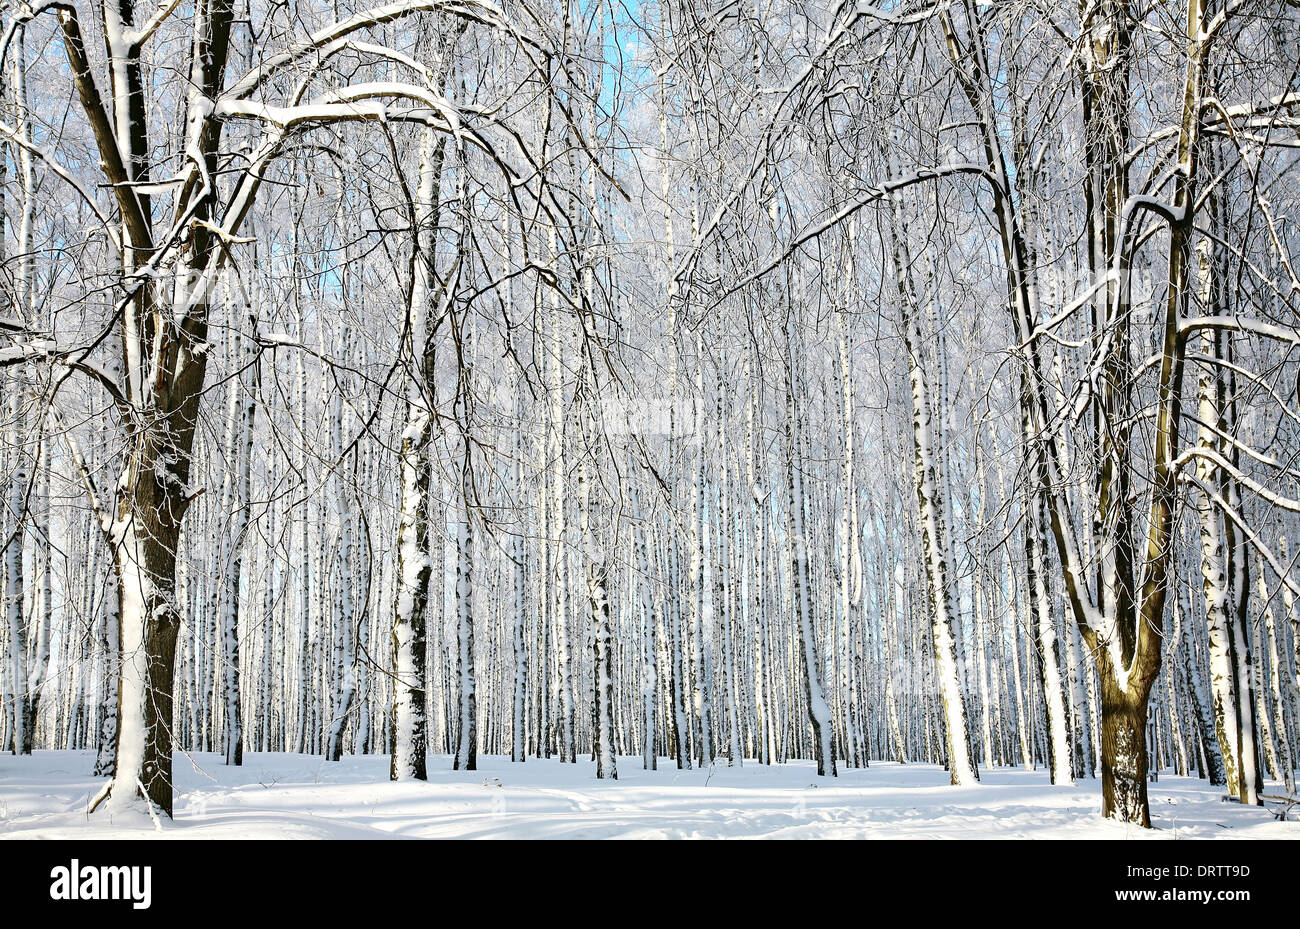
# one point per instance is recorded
(298, 796)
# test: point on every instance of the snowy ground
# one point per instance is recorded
(296, 796)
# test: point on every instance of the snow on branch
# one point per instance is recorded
(1237, 323)
(332, 37)
(1258, 489)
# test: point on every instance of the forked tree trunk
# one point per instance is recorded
(146, 536)
(1123, 748)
